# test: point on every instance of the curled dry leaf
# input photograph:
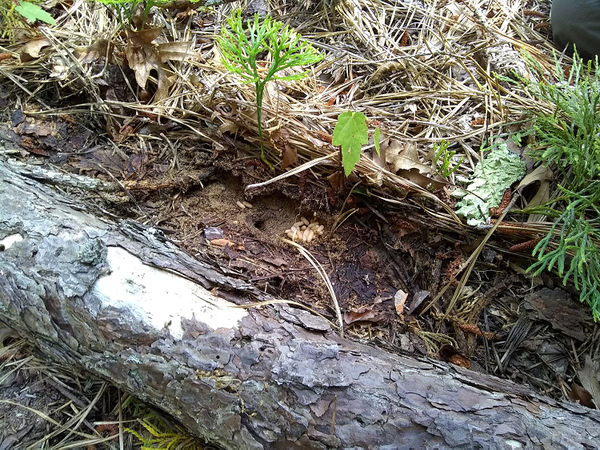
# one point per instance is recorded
(175, 51)
(31, 50)
(144, 57)
(403, 159)
(102, 48)
(404, 156)
(543, 175)
(590, 379)
(281, 141)
(580, 395)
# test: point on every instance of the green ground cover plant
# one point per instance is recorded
(265, 41)
(126, 10)
(568, 139)
(443, 158)
(15, 15)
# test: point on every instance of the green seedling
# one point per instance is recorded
(351, 134)
(276, 46)
(33, 12)
(443, 157)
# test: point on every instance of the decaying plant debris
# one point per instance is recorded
(422, 71)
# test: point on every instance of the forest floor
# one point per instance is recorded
(396, 270)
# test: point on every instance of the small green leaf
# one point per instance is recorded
(34, 12)
(376, 136)
(351, 134)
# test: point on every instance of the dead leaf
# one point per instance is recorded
(403, 156)
(290, 155)
(544, 175)
(403, 160)
(450, 354)
(144, 36)
(5, 55)
(460, 360)
(417, 298)
(399, 301)
(579, 395)
(589, 377)
(363, 314)
(229, 126)
(175, 51)
(143, 57)
(337, 182)
(31, 50)
(540, 173)
(226, 243)
(419, 179)
(558, 308)
(100, 49)
(281, 141)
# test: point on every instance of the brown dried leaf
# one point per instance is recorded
(363, 314)
(229, 126)
(460, 360)
(579, 395)
(543, 175)
(102, 48)
(450, 354)
(143, 57)
(145, 36)
(31, 50)
(404, 156)
(288, 152)
(290, 156)
(336, 181)
(175, 51)
(555, 306)
(590, 379)
(419, 179)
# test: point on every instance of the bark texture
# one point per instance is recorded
(122, 302)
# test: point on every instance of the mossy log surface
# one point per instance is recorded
(121, 302)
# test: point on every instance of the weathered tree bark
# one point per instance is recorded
(123, 303)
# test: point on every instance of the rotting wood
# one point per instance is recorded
(120, 301)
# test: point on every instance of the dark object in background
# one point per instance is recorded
(577, 22)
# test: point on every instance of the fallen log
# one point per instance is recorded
(123, 303)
